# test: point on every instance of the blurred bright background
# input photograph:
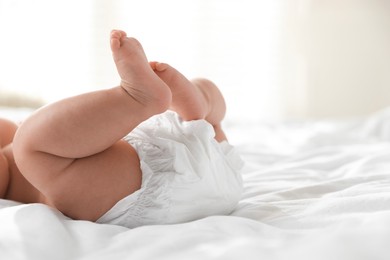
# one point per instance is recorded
(272, 59)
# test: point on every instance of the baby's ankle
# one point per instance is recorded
(156, 102)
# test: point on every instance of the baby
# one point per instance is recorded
(150, 151)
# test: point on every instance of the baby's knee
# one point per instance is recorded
(210, 89)
(215, 100)
(204, 84)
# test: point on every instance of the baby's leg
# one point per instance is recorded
(196, 99)
(71, 150)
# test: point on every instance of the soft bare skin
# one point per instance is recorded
(7, 132)
(70, 154)
(195, 99)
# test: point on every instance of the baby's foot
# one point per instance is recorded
(137, 78)
(187, 99)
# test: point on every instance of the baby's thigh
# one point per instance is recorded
(90, 186)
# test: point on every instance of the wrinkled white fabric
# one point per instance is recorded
(186, 174)
(312, 190)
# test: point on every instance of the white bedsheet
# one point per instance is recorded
(313, 190)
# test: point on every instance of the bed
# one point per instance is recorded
(313, 190)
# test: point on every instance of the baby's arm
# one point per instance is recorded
(7, 132)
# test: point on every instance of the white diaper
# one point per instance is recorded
(186, 174)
